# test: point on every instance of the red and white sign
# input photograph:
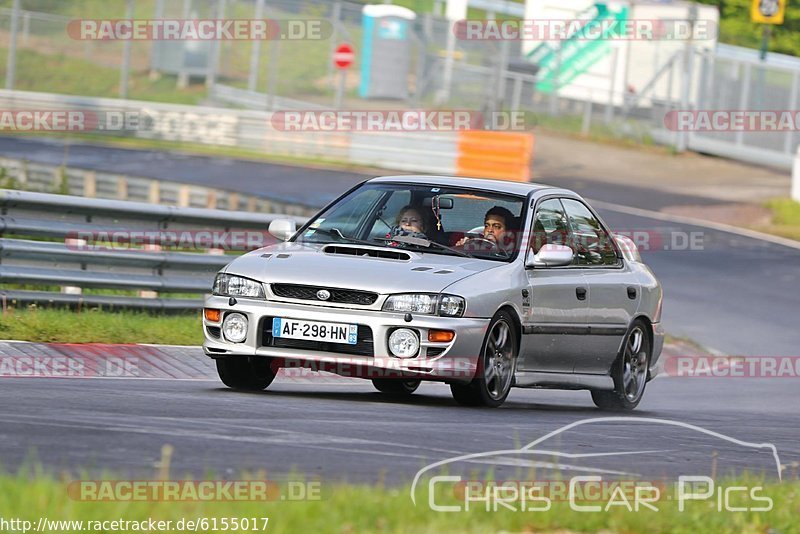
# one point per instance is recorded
(343, 56)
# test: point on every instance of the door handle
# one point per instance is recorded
(580, 292)
(631, 292)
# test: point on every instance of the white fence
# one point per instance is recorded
(434, 152)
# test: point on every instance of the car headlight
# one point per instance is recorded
(446, 305)
(228, 285)
(451, 306)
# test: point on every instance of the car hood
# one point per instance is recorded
(356, 267)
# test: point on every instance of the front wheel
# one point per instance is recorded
(629, 373)
(396, 387)
(496, 366)
(246, 373)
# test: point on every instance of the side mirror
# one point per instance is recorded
(283, 229)
(551, 256)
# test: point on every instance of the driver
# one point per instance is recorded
(496, 228)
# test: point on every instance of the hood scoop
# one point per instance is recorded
(368, 252)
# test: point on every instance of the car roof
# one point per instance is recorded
(498, 186)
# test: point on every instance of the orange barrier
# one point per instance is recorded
(488, 154)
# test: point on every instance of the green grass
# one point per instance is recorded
(59, 73)
(97, 326)
(366, 508)
(785, 218)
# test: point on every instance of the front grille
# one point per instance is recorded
(364, 347)
(340, 296)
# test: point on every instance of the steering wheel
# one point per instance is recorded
(482, 242)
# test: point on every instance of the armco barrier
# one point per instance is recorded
(112, 244)
(97, 184)
(502, 155)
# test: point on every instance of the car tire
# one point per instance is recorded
(396, 387)
(498, 354)
(630, 372)
(246, 373)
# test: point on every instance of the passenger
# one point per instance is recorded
(408, 223)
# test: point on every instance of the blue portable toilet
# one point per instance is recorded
(385, 51)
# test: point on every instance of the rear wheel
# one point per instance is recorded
(243, 372)
(496, 366)
(396, 387)
(629, 372)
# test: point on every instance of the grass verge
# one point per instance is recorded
(98, 326)
(364, 508)
(785, 218)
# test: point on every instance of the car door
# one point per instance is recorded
(555, 322)
(614, 293)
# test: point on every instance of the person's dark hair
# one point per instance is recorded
(505, 213)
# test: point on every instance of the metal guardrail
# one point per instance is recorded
(98, 184)
(120, 245)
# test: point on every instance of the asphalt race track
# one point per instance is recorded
(736, 295)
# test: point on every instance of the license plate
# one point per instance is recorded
(315, 331)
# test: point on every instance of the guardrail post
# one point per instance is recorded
(73, 243)
(90, 184)
(122, 187)
(796, 176)
(11, 60)
(147, 293)
(183, 196)
(154, 195)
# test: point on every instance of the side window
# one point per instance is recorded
(550, 226)
(591, 243)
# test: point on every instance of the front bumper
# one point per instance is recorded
(457, 362)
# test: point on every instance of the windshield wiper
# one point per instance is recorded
(425, 243)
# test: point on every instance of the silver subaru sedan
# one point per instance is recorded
(482, 284)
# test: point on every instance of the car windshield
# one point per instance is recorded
(428, 219)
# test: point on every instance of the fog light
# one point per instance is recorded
(212, 315)
(441, 336)
(403, 343)
(235, 327)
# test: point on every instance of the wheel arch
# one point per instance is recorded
(648, 323)
(517, 322)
